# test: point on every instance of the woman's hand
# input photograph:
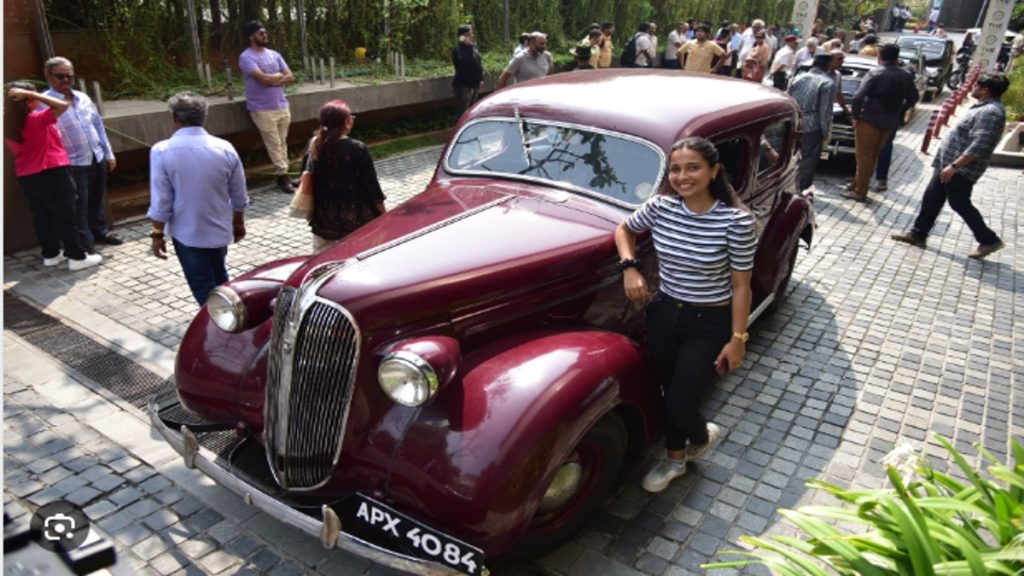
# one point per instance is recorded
(635, 285)
(733, 353)
(18, 94)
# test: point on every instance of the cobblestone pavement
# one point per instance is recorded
(876, 343)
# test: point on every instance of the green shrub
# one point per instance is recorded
(928, 523)
(1013, 99)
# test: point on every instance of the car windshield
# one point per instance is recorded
(613, 166)
(851, 78)
(931, 48)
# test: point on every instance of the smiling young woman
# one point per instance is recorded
(696, 321)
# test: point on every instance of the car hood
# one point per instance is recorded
(458, 252)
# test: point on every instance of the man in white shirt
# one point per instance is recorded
(807, 53)
(785, 63)
(644, 49)
(676, 39)
(748, 38)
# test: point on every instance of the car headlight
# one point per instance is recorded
(226, 309)
(407, 378)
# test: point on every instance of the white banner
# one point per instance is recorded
(804, 12)
(997, 18)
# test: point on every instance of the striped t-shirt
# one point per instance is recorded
(697, 252)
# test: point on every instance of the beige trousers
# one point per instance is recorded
(321, 244)
(273, 127)
(867, 144)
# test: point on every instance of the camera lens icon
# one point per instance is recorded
(60, 526)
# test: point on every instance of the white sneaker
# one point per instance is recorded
(89, 261)
(663, 473)
(51, 262)
(694, 452)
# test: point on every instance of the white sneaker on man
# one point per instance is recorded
(695, 451)
(663, 473)
(51, 262)
(89, 261)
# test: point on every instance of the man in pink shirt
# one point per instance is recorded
(266, 75)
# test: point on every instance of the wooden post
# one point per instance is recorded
(99, 96)
(302, 32)
(42, 30)
(227, 76)
(332, 71)
(197, 52)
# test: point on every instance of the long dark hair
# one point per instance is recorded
(334, 116)
(15, 111)
(721, 188)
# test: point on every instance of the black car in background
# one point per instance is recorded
(853, 70)
(939, 54)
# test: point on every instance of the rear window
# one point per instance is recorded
(623, 169)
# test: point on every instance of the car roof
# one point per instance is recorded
(861, 61)
(924, 39)
(658, 105)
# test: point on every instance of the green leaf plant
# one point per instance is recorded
(928, 523)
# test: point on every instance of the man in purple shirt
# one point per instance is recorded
(266, 75)
(197, 195)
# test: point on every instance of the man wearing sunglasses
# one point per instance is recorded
(266, 75)
(85, 139)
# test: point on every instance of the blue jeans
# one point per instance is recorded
(885, 158)
(204, 268)
(91, 183)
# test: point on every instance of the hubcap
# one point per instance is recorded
(563, 487)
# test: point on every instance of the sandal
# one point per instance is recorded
(853, 196)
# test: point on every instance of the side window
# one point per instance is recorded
(773, 147)
(732, 155)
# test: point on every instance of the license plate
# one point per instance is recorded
(406, 533)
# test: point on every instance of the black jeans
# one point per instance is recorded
(683, 341)
(958, 192)
(204, 268)
(91, 182)
(51, 196)
(810, 154)
(465, 96)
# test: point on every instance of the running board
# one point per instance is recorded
(761, 308)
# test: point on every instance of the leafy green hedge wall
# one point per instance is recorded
(147, 42)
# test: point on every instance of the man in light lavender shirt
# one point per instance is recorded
(197, 195)
(266, 75)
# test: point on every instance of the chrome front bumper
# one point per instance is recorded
(328, 529)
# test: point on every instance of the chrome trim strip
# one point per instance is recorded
(761, 308)
(428, 229)
(205, 462)
(552, 183)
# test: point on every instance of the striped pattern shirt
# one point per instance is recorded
(697, 252)
(81, 130)
(976, 135)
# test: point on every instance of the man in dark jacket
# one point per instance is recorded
(469, 71)
(883, 97)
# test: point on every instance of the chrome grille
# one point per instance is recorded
(314, 350)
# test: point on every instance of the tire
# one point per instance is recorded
(783, 287)
(956, 78)
(601, 452)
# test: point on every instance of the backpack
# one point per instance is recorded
(628, 57)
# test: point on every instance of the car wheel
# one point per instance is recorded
(584, 478)
(783, 289)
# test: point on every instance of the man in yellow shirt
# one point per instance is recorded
(604, 58)
(697, 54)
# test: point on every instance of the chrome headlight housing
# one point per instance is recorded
(407, 378)
(226, 309)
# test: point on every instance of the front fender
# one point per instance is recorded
(211, 363)
(478, 459)
(791, 220)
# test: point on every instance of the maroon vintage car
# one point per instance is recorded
(461, 378)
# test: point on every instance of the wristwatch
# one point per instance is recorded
(741, 336)
(630, 263)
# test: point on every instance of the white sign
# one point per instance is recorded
(997, 18)
(804, 12)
